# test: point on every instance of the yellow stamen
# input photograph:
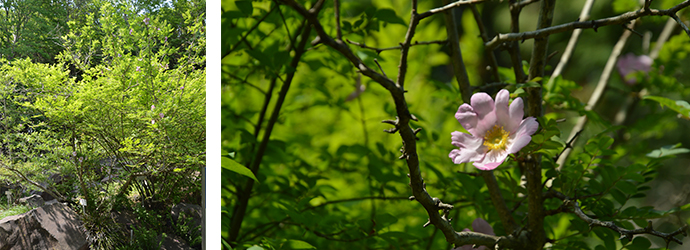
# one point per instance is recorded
(496, 138)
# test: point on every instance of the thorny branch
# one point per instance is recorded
(592, 24)
(572, 206)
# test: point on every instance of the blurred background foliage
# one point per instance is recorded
(331, 178)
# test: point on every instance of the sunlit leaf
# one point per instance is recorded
(681, 107)
(232, 165)
(668, 151)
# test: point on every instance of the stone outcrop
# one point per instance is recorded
(33, 201)
(53, 226)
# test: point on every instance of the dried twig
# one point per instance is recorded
(598, 92)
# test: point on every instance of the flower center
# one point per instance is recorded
(496, 138)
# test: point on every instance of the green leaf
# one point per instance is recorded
(667, 151)
(640, 243)
(626, 187)
(389, 16)
(297, 244)
(232, 165)
(245, 6)
(681, 107)
(255, 247)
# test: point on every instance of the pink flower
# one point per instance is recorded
(479, 225)
(161, 115)
(496, 130)
(146, 21)
(630, 63)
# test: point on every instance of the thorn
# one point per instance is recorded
(391, 131)
(427, 224)
(414, 118)
(408, 175)
(412, 198)
(402, 157)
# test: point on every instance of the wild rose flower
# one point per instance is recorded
(496, 130)
(630, 63)
(146, 21)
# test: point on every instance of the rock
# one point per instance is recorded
(54, 226)
(173, 242)
(33, 200)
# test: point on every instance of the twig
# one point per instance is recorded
(405, 46)
(598, 92)
(339, 34)
(584, 15)
(485, 38)
(574, 207)
(379, 50)
(381, 69)
(497, 199)
(593, 24)
(532, 163)
(524, 3)
(514, 47)
(456, 56)
(447, 7)
(681, 23)
(244, 37)
(243, 200)
(663, 37)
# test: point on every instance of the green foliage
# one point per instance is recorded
(111, 100)
(327, 158)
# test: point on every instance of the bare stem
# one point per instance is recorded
(598, 92)
(584, 15)
(456, 56)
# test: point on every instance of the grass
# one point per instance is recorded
(6, 210)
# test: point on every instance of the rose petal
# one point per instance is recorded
(465, 155)
(462, 140)
(516, 113)
(519, 143)
(483, 105)
(528, 126)
(467, 117)
(491, 160)
(501, 106)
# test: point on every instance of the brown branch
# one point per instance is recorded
(379, 50)
(573, 206)
(497, 199)
(341, 47)
(405, 45)
(593, 24)
(456, 56)
(447, 7)
(339, 34)
(23, 177)
(493, 65)
(514, 47)
(584, 15)
(532, 163)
